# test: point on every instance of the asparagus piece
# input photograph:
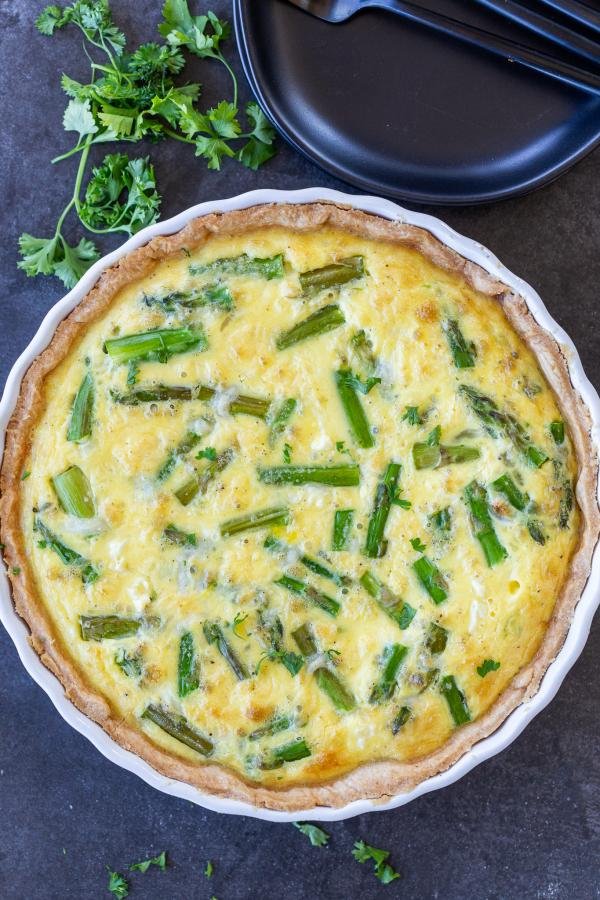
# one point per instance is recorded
(268, 267)
(327, 681)
(507, 487)
(455, 699)
(401, 718)
(188, 676)
(280, 419)
(566, 504)
(101, 628)
(277, 515)
(463, 352)
(291, 752)
(362, 346)
(74, 493)
(160, 344)
(274, 726)
(430, 453)
(355, 414)
(272, 631)
(376, 545)
(80, 423)
(476, 498)
(437, 639)
(214, 635)
(343, 520)
(175, 535)
(319, 322)
(557, 430)
(442, 520)
(431, 578)
(160, 393)
(70, 557)
(333, 275)
(200, 482)
(271, 543)
(393, 657)
(216, 296)
(402, 613)
(186, 445)
(335, 476)
(496, 421)
(130, 665)
(534, 527)
(323, 601)
(179, 728)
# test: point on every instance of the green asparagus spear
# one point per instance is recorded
(566, 504)
(80, 423)
(160, 393)
(335, 476)
(179, 728)
(319, 322)
(355, 414)
(277, 515)
(463, 352)
(327, 681)
(430, 454)
(101, 628)
(455, 699)
(431, 578)
(343, 520)
(185, 446)
(376, 545)
(70, 557)
(496, 421)
(402, 613)
(362, 346)
(323, 601)
(273, 726)
(214, 635)
(271, 629)
(216, 296)
(291, 752)
(332, 276)
(314, 565)
(476, 498)
(188, 676)
(278, 419)
(175, 535)
(441, 520)
(401, 718)
(507, 487)
(131, 664)
(268, 268)
(393, 657)
(437, 638)
(534, 527)
(557, 430)
(199, 483)
(74, 493)
(161, 344)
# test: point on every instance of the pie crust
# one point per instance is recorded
(378, 781)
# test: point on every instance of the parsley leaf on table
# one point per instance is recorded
(316, 836)
(488, 665)
(117, 885)
(383, 870)
(144, 865)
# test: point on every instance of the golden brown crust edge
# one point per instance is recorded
(378, 781)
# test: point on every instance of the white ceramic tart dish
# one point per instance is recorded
(299, 505)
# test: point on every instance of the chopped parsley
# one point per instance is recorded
(316, 836)
(208, 869)
(412, 416)
(144, 865)
(25, 475)
(16, 570)
(287, 453)
(488, 665)
(363, 852)
(418, 545)
(117, 885)
(208, 453)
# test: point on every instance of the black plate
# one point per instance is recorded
(396, 109)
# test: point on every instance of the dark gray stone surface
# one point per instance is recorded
(523, 826)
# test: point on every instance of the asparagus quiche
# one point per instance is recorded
(298, 503)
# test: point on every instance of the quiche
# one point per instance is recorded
(297, 504)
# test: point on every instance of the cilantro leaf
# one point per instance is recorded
(202, 35)
(78, 117)
(316, 836)
(39, 254)
(262, 129)
(117, 885)
(102, 209)
(412, 416)
(488, 665)
(362, 386)
(208, 869)
(418, 545)
(54, 256)
(75, 262)
(213, 150)
(223, 120)
(254, 153)
(144, 865)
(207, 453)
(383, 870)
(50, 18)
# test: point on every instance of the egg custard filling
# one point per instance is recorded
(296, 501)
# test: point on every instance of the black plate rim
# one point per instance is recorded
(373, 186)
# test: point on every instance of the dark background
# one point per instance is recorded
(523, 826)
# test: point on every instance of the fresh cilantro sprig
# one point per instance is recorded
(130, 97)
(160, 861)
(383, 870)
(117, 885)
(316, 835)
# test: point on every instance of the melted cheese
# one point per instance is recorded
(497, 613)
